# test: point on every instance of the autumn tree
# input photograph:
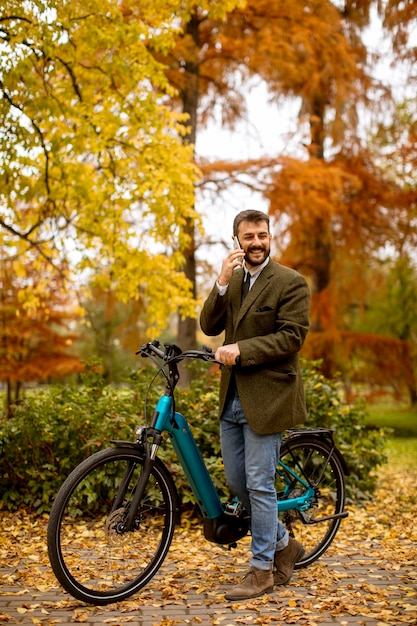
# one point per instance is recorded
(192, 70)
(331, 202)
(294, 47)
(338, 207)
(399, 19)
(334, 206)
(391, 309)
(94, 170)
(35, 341)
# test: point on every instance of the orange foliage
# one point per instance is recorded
(297, 48)
(34, 342)
(399, 18)
(335, 218)
(337, 208)
(380, 361)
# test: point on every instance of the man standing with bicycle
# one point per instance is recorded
(263, 307)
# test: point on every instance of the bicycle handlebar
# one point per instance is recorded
(173, 353)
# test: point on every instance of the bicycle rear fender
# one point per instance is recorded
(320, 433)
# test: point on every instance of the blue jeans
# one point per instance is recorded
(249, 462)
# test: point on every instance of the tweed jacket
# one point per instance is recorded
(270, 327)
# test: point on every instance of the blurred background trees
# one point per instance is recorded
(35, 337)
(343, 204)
(102, 105)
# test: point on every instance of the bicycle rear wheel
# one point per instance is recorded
(91, 556)
(311, 459)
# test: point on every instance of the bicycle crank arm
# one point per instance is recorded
(310, 520)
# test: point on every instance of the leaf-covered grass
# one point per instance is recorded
(402, 420)
(367, 575)
(402, 453)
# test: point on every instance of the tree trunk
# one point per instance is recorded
(187, 327)
(12, 398)
(322, 243)
(8, 398)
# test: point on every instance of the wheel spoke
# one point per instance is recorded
(312, 459)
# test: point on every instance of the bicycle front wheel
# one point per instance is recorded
(314, 463)
(93, 558)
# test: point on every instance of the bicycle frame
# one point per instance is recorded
(195, 469)
(189, 456)
(222, 524)
(138, 506)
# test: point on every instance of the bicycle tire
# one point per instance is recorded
(309, 457)
(90, 557)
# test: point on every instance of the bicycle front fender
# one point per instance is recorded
(126, 444)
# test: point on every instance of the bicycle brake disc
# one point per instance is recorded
(115, 527)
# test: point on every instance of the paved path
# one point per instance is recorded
(362, 588)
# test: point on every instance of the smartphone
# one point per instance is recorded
(236, 243)
(237, 246)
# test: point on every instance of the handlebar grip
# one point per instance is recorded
(147, 348)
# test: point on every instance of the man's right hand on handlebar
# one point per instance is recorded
(228, 354)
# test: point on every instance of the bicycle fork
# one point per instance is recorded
(148, 463)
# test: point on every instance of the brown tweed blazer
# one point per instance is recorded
(270, 328)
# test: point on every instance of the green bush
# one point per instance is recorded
(54, 429)
(362, 445)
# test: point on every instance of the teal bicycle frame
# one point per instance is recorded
(197, 474)
(189, 456)
(137, 507)
(223, 524)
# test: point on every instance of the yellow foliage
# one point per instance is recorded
(96, 175)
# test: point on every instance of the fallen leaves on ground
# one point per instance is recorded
(374, 546)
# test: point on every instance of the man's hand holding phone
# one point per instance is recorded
(233, 260)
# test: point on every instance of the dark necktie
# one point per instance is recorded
(245, 286)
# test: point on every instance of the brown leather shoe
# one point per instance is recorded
(255, 583)
(285, 560)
